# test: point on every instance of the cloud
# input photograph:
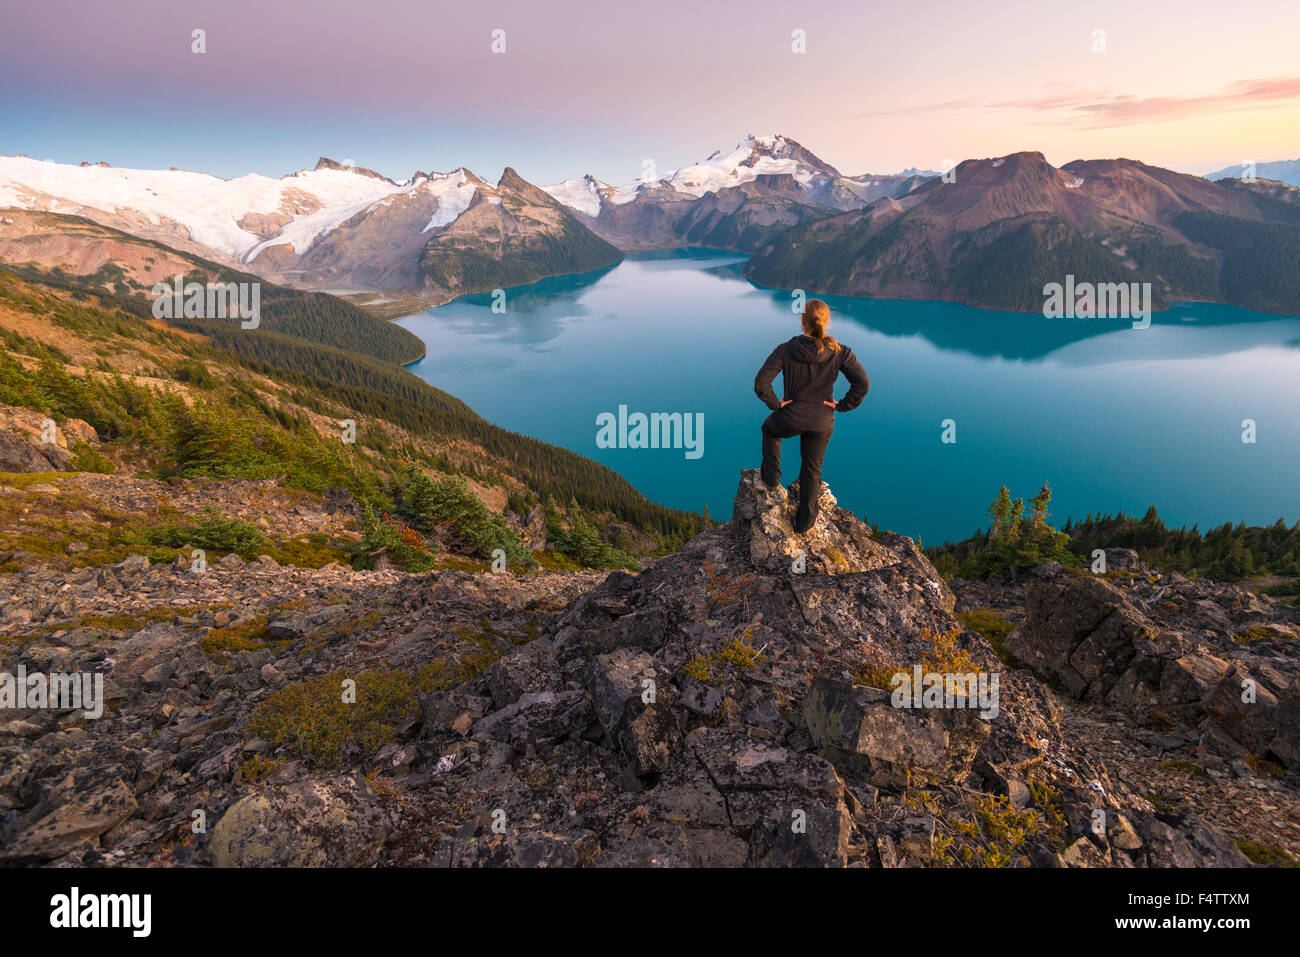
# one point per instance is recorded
(1093, 109)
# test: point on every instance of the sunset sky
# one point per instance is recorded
(399, 85)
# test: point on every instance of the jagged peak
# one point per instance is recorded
(325, 162)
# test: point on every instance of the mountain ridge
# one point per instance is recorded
(1004, 227)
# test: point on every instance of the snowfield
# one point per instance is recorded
(580, 194)
(454, 192)
(209, 207)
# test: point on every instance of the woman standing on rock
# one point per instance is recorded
(809, 365)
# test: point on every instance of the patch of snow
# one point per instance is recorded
(454, 192)
(580, 194)
(208, 207)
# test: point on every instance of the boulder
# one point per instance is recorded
(735, 800)
(532, 667)
(82, 815)
(1080, 635)
(310, 823)
(1123, 560)
(538, 718)
(858, 728)
(645, 731)
(1086, 637)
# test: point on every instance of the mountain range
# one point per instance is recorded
(1003, 228)
(436, 235)
(993, 236)
(735, 200)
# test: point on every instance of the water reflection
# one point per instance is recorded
(538, 312)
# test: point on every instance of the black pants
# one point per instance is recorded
(814, 426)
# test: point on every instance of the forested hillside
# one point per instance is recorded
(264, 403)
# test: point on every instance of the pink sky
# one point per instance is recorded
(585, 87)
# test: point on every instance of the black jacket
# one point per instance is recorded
(809, 376)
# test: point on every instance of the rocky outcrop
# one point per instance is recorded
(30, 442)
(729, 715)
(763, 518)
(728, 706)
(1237, 682)
(899, 746)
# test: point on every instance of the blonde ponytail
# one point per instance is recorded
(816, 316)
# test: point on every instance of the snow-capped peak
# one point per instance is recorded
(226, 215)
(581, 194)
(752, 157)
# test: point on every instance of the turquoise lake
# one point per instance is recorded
(1115, 418)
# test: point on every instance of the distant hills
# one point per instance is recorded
(1005, 227)
(1284, 171)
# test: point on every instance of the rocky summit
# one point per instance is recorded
(758, 698)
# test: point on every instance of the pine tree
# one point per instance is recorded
(1039, 506)
(1000, 513)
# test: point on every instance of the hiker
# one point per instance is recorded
(809, 365)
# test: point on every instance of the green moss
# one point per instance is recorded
(1268, 855)
(735, 652)
(257, 768)
(699, 668)
(461, 564)
(312, 719)
(874, 676)
(307, 551)
(128, 621)
(1254, 633)
(554, 561)
(222, 643)
(989, 624)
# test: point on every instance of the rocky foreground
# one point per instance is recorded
(728, 706)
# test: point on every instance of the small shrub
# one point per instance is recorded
(312, 719)
(989, 624)
(223, 643)
(385, 535)
(212, 534)
(87, 459)
(426, 503)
